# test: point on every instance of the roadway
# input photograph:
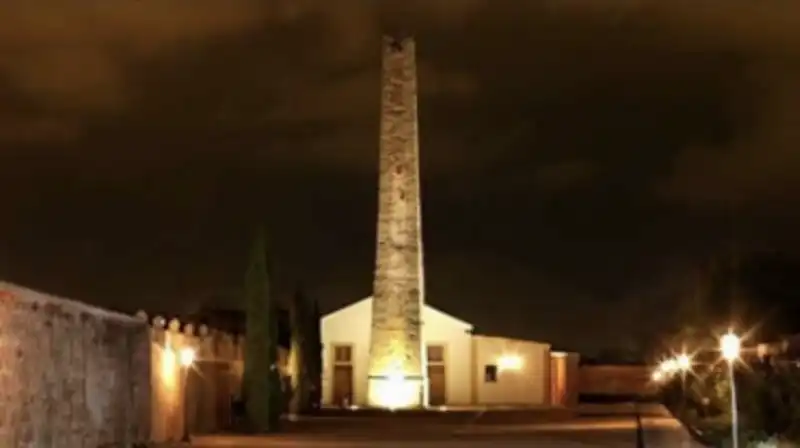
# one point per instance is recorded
(610, 429)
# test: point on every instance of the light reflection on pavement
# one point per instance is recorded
(611, 432)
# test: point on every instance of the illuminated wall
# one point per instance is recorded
(78, 376)
(510, 372)
(455, 337)
(350, 326)
(169, 378)
(523, 376)
(206, 388)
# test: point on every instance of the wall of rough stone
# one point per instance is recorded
(398, 290)
(198, 398)
(610, 380)
(71, 375)
(198, 395)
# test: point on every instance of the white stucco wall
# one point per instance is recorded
(351, 326)
(527, 386)
(455, 335)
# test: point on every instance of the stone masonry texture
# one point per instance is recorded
(71, 376)
(398, 290)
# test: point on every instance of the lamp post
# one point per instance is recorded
(731, 346)
(186, 357)
(684, 363)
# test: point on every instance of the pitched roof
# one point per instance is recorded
(427, 305)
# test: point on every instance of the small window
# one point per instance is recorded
(435, 353)
(490, 373)
(342, 354)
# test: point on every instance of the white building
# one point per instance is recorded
(463, 369)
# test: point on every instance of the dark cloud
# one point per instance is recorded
(74, 55)
(761, 167)
(564, 175)
(576, 143)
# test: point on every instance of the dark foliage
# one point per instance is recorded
(768, 401)
(261, 383)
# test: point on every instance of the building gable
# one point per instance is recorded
(357, 310)
(352, 312)
(434, 314)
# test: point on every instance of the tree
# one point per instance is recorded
(299, 320)
(315, 355)
(261, 382)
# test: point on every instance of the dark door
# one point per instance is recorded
(204, 377)
(343, 385)
(436, 385)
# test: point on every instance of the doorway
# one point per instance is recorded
(342, 376)
(437, 382)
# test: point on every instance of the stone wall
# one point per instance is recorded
(71, 375)
(199, 394)
(611, 380)
(197, 398)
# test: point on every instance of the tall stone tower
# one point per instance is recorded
(397, 363)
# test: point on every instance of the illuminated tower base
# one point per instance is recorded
(397, 360)
(396, 392)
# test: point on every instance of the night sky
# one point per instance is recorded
(579, 158)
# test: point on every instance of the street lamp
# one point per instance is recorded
(186, 357)
(684, 365)
(731, 346)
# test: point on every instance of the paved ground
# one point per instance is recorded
(607, 431)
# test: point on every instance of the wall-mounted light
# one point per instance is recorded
(509, 362)
(186, 356)
(657, 376)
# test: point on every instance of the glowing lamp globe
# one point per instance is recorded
(684, 362)
(669, 366)
(731, 346)
(187, 355)
(657, 376)
(509, 362)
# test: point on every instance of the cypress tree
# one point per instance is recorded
(260, 342)
(298, 315)
(314, 354)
